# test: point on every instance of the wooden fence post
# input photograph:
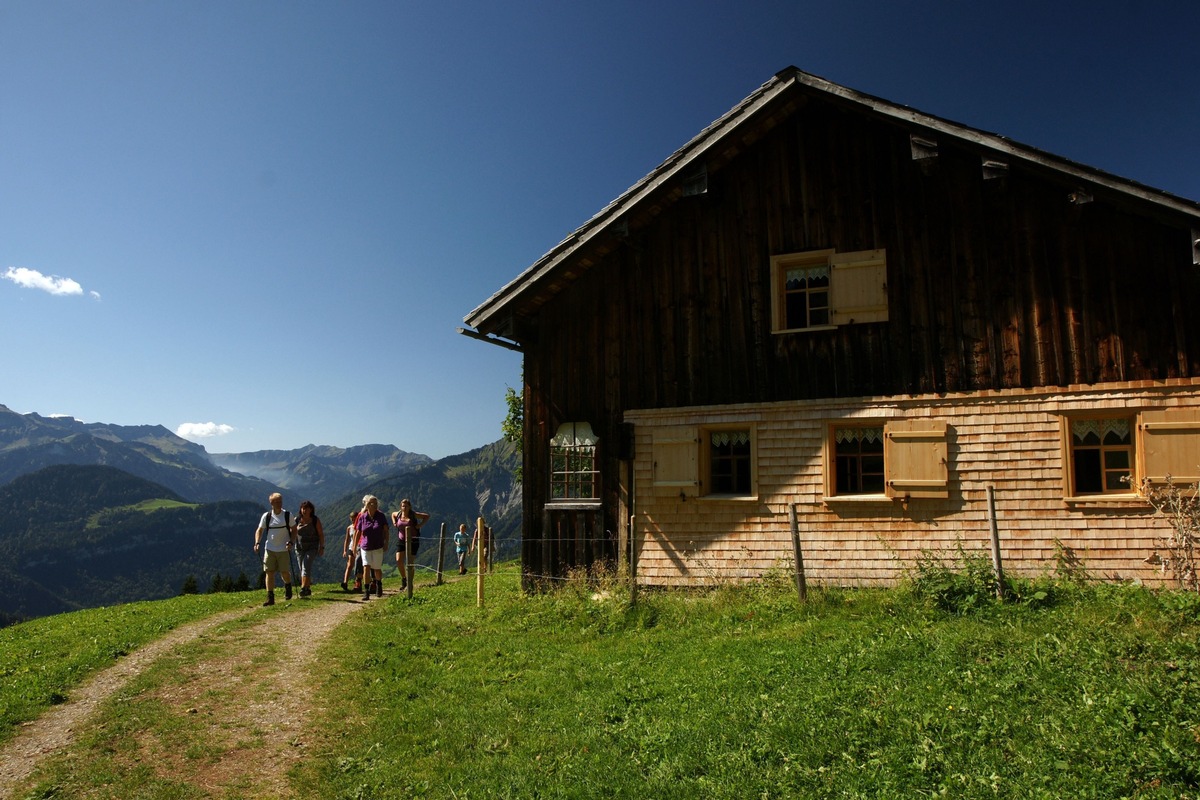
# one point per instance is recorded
(441, 552)
(632, 563)
(801, 580)
(481, 562)
(997, 566)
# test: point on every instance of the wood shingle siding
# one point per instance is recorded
(1010, 439)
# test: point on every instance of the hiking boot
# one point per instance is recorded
(367, 594)
(344, 589)
(287, 591)
(379, 588)
(305, 591)
(270, 599)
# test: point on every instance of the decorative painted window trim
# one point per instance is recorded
(822, 289)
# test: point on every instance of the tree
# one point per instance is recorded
(513, 426)
(189, 586)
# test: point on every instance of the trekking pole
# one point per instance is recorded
(441, 552)
(481, 564)
(295, 565)
(408, 565)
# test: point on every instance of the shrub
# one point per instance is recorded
(961, 583)
(1181, 507)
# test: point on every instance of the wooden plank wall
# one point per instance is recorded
(1007, 439)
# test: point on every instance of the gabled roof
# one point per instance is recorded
(549, 273)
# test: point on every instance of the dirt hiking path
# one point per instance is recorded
(243, 693)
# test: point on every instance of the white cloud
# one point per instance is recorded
(95, 296)
(32, 279)
(202, 430)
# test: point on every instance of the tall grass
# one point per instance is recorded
(741, 692)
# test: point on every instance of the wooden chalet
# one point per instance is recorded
(831, 303)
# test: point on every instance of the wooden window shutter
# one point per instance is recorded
(915, 458)
(676, 461)
(1170, 445)
(858, 287)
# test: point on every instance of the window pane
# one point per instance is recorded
(795, 311)
(1102, 454)
(573, 471)
(1116, 459)
(1087, 471)
(858, 454)
(729, 462)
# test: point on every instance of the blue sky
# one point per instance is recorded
(259, 222)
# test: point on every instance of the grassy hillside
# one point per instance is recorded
(1076, 691)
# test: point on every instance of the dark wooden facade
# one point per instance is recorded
(1006, 268)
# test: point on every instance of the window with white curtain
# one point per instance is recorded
(573, 473)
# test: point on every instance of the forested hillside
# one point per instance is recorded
(83, 536)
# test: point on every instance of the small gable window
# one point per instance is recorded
(573, 472)
(820, 289)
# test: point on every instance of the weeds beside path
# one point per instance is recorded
(222, 686)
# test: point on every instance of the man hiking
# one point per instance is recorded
(276, 529)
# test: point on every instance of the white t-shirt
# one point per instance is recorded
(277, 531)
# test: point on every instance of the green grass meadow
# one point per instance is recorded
(1079, 691)
(1070, 690)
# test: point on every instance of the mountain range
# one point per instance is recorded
(322, 473)
(93, 514)
(29, 442)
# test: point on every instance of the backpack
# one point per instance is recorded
(287, 522)
(312, 541)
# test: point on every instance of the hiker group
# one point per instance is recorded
(363, 547)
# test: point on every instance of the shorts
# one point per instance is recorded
(306, 562)
(277, 561)
(373, 558)
(414, 543)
